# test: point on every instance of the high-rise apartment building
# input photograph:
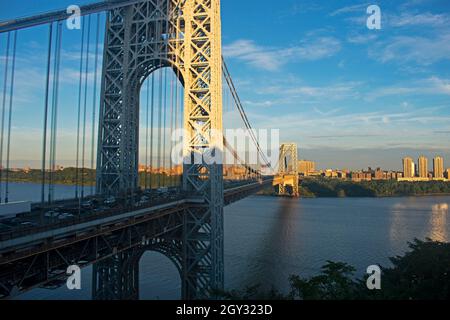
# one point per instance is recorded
(408, 168)
(438, 168)
(306, 167)
(423, 167)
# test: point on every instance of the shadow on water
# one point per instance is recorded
(159, 279)
(277, 247)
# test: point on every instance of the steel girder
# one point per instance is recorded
(46, 265)
(185, 35)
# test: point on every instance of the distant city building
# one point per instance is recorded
(306, 167)
(423, 167)
(361, 176)
(408, 168)
(343, 174)
(438, 168)
(447, 173)
(380, 174)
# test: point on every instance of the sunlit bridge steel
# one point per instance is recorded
(147, 43)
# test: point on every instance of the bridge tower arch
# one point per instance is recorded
(117, 278)
(288, 169)
(142, 37)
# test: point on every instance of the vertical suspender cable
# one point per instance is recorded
(5, 81)
(181, 126)
(176, 117)
(94, 99)
(159, 127)
(44, 138)
(146, 134)
(80, 85)
(11, 96)
(86, 78)
(171, 127)
(151, 132)
(54, 111)
(164, 128)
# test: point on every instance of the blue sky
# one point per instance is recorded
(349, 96)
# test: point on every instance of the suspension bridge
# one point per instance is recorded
(146, 68)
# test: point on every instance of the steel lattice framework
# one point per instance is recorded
(186, 36)
(142, 36)
(288, 168)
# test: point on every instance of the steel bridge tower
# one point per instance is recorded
(140, 38)
(288, 169)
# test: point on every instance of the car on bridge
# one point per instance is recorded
(110, 200)
(65, 215)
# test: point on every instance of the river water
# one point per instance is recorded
(269, 238)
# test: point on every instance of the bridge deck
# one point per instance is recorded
(45, 227)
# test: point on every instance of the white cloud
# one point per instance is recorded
(362, 38)
(422, 19)
(272, 58)
(417, 49)
(264, 103)
(350, 9)
(334, 91)
(430, 86)
(440, 85)
(257, 56)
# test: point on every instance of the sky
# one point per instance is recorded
(350, 97)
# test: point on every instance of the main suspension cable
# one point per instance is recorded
(242, 113)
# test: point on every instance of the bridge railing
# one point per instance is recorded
(24, 231)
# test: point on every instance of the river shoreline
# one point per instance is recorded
(367, 197)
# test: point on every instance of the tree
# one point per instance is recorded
(423, 273)
(334, 283)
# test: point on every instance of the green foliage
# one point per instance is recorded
(334, 283)
(86, 176)
(250, 293)
(65, 176)
(326, 187)
(423, 273)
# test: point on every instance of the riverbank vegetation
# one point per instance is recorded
(69, 176)
(327, 187)
(309, 187)
(422, 273)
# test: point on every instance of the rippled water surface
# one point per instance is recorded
(268, 238)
